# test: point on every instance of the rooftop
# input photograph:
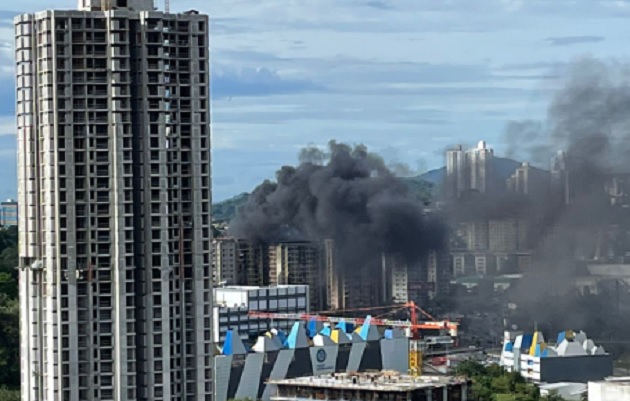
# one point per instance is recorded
(97, 5)
(377, 381)
(253, 287)
(619, 381)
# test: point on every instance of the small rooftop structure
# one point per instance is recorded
(106, 5)
(384, 381)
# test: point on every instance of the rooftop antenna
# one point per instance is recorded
(167, 6)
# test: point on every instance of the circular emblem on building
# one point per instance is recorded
(321, 355)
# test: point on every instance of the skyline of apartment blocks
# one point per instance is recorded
(386, 280)
(469, 170)
(489, 246)
(114, 196)
(245, 263)
(8, 213)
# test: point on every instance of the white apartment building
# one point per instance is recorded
(115, 197)
(394, 281)
(233, 303)
(468, 170)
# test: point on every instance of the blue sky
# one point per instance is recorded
(405, 77)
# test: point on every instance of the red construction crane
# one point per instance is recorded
(413, 324)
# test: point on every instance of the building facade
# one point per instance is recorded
(233, 304)
(559, 170)
(372, 386)
(572, 358)
(9, 213)
(456, 173)
(237, 261)
(226, 262)
(470, 170)
(278, 355)
(611, 389)
(480, 167)
(300, 263)
(395, 281)
(528, 180)
(115, 196)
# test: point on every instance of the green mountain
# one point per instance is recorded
(225, 211)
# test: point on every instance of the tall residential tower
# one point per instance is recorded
(114, 195)
(468, 170)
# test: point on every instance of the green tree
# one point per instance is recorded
(493, 383)
(9, 342)
(9, 316)
(7, 394)
(8, 285)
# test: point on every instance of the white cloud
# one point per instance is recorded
(411, 73)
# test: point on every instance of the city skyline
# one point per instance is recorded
(465, 79)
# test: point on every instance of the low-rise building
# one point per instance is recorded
(567, 391)
(573, 358)
(611, 389)
(233, 304)
(372, 386)
(8, 213)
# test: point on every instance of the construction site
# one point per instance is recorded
(430, 339)
(402, 339)
(318, 345)
(373, 386)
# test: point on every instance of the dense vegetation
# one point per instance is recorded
(226, 210)
(9, 315)
(493, 383)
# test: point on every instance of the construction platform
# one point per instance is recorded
(371, 385)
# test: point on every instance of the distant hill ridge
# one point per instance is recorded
(422, 185)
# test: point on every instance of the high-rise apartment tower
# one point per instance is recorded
(114, 194)
(468, 170)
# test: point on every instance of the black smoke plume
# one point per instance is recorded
(588, 118)
(346, 194)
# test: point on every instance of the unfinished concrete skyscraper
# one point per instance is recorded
(114, 193)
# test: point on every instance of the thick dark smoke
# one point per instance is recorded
(589, 118)
(346, 194)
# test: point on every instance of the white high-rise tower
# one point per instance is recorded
(468, 170)
(114, 193)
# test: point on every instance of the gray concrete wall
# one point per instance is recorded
(575, 368)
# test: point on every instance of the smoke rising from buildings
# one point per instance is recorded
(588, 117)
(352, 196)
(346, 194)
